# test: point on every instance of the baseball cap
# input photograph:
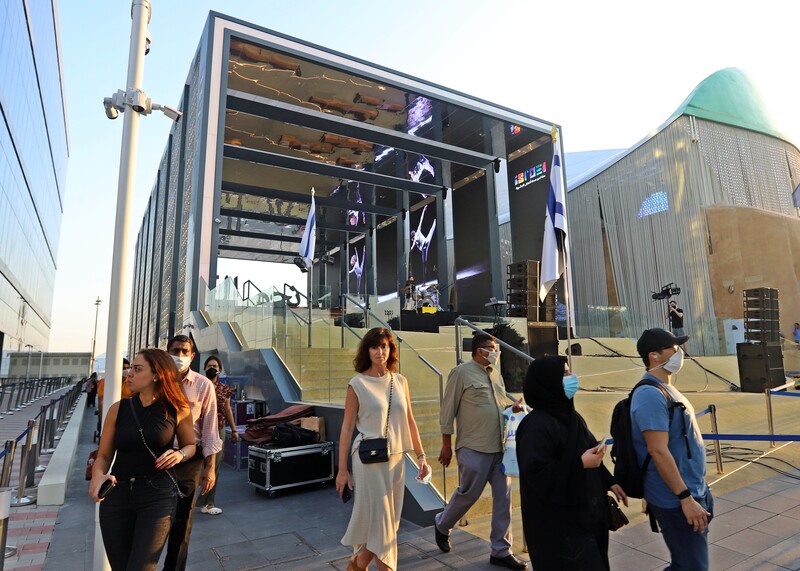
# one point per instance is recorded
(656, 340)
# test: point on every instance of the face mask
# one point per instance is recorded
(182, 362)
(211, 373)
(674, 364)
(570, 385)
(492, 356)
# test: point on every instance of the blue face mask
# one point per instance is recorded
(570, 385)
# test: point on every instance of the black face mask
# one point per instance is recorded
(211, 373)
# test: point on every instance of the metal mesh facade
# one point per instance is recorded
(648, 211)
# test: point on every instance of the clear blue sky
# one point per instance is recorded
(608, 72)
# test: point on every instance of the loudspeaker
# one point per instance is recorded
(760, 366)
(525, 268)
(542, 339)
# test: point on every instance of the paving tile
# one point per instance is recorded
(775, 503)
(735, 521)
(749, 541)
(785, 554)
(756, 564)
(746, 495)
(633, 560)
(721, 559)
(722, 505)
(779, 526)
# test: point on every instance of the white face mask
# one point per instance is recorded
(492, 356)
(182, 362)
(674, 364)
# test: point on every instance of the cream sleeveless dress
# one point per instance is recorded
(378, 489)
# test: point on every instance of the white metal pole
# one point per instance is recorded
(28, 369)
(140, 16)
(94, 337)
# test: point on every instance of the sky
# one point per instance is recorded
(608, 73)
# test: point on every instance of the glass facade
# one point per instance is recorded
(33, 163)
(406, 175)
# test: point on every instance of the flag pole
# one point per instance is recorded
(567, 301)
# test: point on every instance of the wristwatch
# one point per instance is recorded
(182, 453)
(684, 494)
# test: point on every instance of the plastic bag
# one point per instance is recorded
(510, 466)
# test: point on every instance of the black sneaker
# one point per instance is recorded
(442, 540)
(510, 561)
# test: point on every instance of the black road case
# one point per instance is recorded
(271, 468)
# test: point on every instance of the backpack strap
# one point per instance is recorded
(672, 404)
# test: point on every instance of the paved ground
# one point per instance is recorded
(756, 528)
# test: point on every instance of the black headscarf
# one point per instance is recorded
(544, 388)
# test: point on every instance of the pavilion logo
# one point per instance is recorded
(531, 175)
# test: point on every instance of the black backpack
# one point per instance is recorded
(627, 472)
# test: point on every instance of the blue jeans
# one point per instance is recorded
(688, 549)
(135, 519)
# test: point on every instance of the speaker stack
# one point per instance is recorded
(761, 357)
(523, 299)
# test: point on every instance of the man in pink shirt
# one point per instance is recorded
(203, 402)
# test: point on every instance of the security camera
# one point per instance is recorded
(147, 41)
(111, 111)
(170, 112)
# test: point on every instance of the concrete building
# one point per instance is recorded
(33, 163)
(43, 365)
(709, 202)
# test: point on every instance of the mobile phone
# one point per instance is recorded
(346, 494)
(106, 488)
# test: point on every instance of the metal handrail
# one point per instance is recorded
(400, 340)
(460, 321)
(298, 316)
(517, 352)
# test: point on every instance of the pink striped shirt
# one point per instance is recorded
(203, 402)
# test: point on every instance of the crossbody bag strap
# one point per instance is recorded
(141, 433)
(389, 409)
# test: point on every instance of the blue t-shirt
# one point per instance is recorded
(649, 411)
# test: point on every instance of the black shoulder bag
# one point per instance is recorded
(375, 450)
(169, 470)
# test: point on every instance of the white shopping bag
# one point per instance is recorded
(510, 466)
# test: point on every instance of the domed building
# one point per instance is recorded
(707, 202)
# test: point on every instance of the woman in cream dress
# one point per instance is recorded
(378, 488)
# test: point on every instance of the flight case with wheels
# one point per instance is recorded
(271, 468)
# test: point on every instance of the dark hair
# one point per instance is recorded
(182, 339)
(371, 339)
(168, 387)
(212, 358)
(126, 362)
(480, 339)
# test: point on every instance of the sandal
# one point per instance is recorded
(211, 510)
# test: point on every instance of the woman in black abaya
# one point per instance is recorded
(563, 481)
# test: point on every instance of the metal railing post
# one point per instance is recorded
(5, 512)
(11, 398)
(715, 430)
(8, 463)
(770, 421)
(22, 499)
(51, 429)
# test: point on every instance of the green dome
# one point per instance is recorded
(729, 97)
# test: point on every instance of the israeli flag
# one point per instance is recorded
(309, 240)
(555, 226)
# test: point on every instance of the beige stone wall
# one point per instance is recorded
(752, 248)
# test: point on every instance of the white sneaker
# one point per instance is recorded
(211, 510)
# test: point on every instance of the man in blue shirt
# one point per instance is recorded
(674, 486)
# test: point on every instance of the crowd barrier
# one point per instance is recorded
(51, 420)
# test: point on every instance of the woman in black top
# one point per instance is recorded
(563, 482)
(135, 517)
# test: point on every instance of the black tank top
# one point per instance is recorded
(158, 422)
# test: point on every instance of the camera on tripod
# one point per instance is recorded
(666, 292)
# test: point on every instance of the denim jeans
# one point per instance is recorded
(688, 549)
(188, 476)
(135, 519)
